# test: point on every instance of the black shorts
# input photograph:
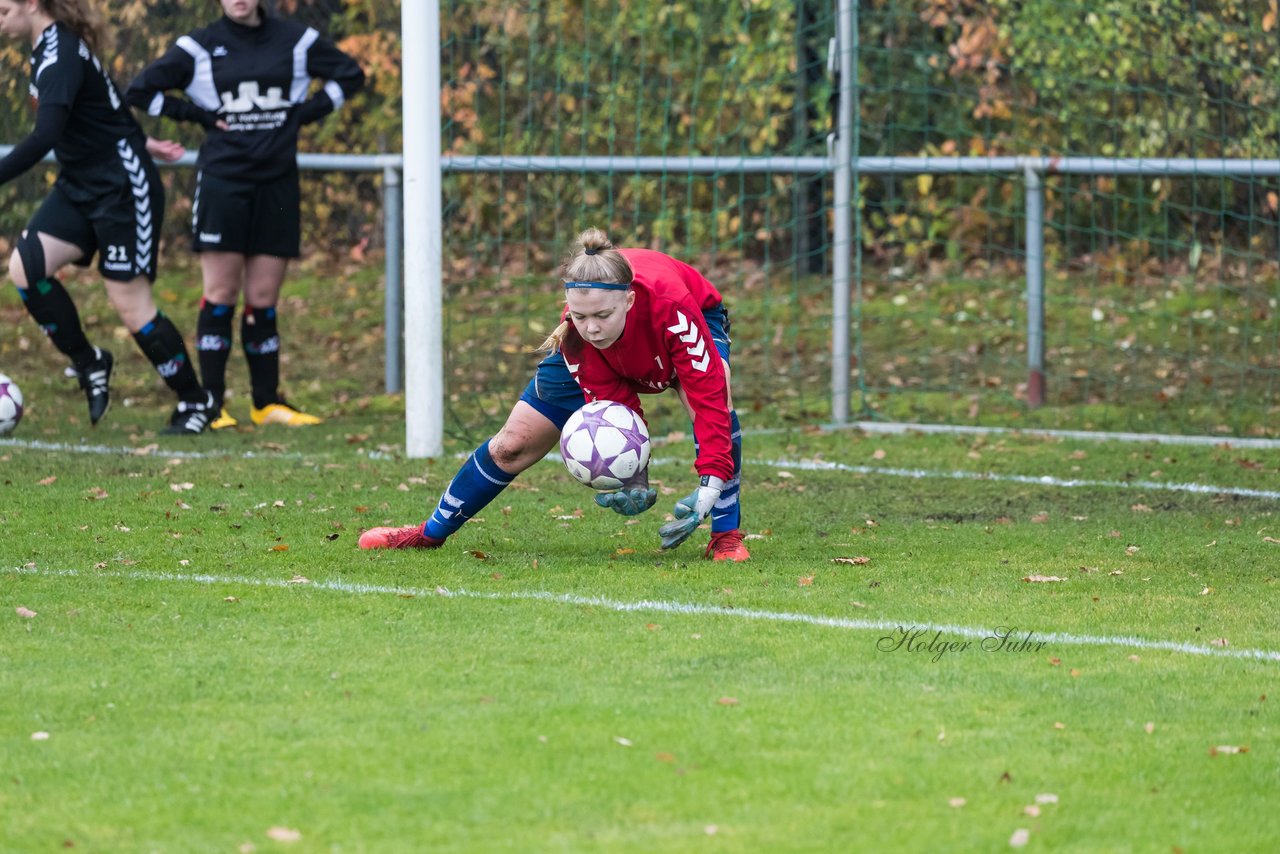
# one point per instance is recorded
(114, 208)
(247, 217)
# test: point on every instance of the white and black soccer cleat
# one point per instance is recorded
(95, 379)
(190, 419)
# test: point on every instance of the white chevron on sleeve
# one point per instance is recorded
(682, 323)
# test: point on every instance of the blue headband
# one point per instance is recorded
(604, 286)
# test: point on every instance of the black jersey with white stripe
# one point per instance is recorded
(80, 115)
(254, 79)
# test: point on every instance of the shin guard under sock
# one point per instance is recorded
(260, 338)
(48, 302)
(162, 344)
(213, 346)
(476, 484)
(726, 515)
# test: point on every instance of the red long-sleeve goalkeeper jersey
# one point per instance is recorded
(665, 343)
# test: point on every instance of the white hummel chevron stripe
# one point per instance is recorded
(141, 206)
(50, 55)
(682, 323)
(697, 350)
(702, 365)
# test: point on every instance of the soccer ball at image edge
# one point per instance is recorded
(10, 405)
(604, 444)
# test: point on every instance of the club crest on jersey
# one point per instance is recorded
(250, 98)
(688, 334)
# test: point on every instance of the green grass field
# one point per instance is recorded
(194, 655)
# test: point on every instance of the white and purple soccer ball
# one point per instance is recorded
(10, 405)
(604, 444)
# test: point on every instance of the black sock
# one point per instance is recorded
(49, 303)
(261, 342)
(213, 346)
(161, 342)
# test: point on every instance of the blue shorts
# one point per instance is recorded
(554, 392)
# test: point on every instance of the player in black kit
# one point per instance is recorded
(247, 80)
(107, 200)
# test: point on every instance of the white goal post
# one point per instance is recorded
(423, 243)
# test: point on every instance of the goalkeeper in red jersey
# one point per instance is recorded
(636, 322)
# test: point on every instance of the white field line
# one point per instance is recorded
(898, 428)
(1039, 480)
(142, 451)
(682, 608)
(803, 465)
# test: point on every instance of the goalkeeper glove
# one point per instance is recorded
(632, 498)
(690, 511)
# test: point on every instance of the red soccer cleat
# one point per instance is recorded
(727, 545)
(408, 537)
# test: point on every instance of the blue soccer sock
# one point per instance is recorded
(727, 512)
(476, 484)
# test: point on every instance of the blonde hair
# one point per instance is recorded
(594, 259)
(83, 19)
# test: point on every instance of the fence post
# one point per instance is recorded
(393, 310)
(842, 222)
(1034, 189)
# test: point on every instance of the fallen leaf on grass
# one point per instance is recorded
(625, 742)
(1270, 540)
(1206, 591)
(1227, 750)
(728, 701)
(279, 547)
(331, 537)
(621, 552)
(1041, 579)
(1140, 508)
(1059, 725)
(878, 454)
(1149, 727)
(663, 756)
(1031, 810)
(1040, 518)
(181, 487)
(231, 599)
(40, 736)
(1210, 545)
(48, 481)
(1132, 550)
(1088, 569)
(805, 581)
(283, 834)
(956, 803)
(477, 554)
(856, 561)
(1048, 798)
(299, 579)
(1020, 838)
(1218, 642)
(26, 613)
(97, 493)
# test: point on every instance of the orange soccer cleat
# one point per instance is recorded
(408, 537)
(727, 545)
